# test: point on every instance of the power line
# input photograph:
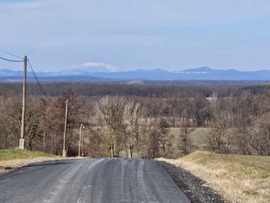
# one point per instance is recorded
(32, 69)
(38, 80)
(10, 60)
(11, 54)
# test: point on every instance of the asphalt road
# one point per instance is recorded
(90, 180)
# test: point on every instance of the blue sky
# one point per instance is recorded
(141, 34)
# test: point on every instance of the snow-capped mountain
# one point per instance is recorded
(90, 68)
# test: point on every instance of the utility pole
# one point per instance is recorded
(65, 131)
(21, 144)
(80, 140)
(82, 144)
(44, 141)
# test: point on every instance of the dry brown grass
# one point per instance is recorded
(236, 177)
(8, 165)
(11, 159)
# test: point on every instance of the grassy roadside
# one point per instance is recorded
(238, 178)
(11, 159)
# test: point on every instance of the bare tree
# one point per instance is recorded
(159, 140)
(34, 116)
(134, 119)
(54, 123)
(220, 137)
(185, 143)
(110, 112)
(261, 135)
(10, 122)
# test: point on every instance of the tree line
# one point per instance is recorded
(134, 120)
(158, 89)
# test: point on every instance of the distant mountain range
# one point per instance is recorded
(103, 72)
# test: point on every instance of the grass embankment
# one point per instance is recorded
(238, 178)
(14, 158)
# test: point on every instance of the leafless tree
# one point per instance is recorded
(10, 122)
(53, 124)
(261, 135)
(220, 137)
(134, 118)
(185, 142)
(110, 112)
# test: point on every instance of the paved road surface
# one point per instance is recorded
(90, 180)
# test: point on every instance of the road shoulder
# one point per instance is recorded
(194, 187)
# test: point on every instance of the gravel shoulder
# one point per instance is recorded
(194, 187)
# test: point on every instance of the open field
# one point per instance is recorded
(196, 136)
(238, 178)
(14, 158)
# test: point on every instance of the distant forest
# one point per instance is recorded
(134, 119)
(150, 89)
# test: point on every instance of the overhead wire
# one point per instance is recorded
(10, 60)
(11, 54)
(31, 67)
(42, 89)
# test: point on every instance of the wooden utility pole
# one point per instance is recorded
(82, 145)
(65, 131)
(21, 144)
(44, 141)
(80, 140)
